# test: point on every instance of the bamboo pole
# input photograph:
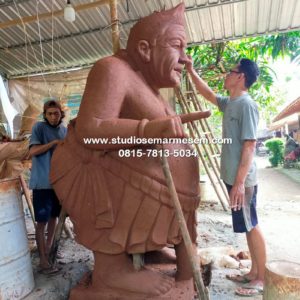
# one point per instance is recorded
(28, 198)
(57, 236)
(201, 290)
(31, 19)
(114, 25)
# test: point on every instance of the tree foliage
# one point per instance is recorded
(276, 147)
(212, 61)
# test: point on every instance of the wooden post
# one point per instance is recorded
(114, 25)
(201, 290)
(28, 198)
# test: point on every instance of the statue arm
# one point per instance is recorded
(105, 93)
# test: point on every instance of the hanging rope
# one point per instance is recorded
(39, 31)
(27, 41)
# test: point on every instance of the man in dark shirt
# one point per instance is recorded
(45, 136)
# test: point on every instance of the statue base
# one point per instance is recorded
(181, 290)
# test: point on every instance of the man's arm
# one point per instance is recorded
(39, 149)
(237, 193)
(200, 84)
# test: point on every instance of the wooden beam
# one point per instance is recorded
(57, 13)
(114, 25)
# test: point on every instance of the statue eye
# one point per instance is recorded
(177, 46)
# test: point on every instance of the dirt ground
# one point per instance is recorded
(278, 212)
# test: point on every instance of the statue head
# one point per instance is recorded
(156, 44)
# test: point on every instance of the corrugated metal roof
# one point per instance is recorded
(53, 44)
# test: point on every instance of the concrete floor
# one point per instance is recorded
(279, 213)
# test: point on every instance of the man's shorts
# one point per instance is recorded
(245, 219)
(45, 205)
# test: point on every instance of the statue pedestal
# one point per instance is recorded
(182, 290)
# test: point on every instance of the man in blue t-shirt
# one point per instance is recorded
(238, 169)
(45, 136)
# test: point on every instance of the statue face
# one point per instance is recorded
(168, 57)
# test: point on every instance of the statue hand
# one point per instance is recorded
(168, 127)
(195, 116)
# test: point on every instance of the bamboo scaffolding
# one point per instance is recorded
(204, 124)
(193, 128)
(210, 156)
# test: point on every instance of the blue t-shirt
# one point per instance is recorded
(240, 123)
(42, 134)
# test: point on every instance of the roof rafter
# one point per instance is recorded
(30, 19)
(99, 29)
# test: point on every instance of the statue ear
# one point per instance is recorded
(144, 50)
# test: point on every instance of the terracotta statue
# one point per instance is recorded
(121, 205)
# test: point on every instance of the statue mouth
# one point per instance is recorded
(178, 70)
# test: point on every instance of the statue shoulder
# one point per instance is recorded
(112, 65)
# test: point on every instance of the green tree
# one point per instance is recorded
(276, 147)
(212, 61)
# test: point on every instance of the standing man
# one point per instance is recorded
(45, 136)
(238, 169)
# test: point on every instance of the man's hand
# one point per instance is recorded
(56, 142)
(200, 84)
(39, 149)
(237, 196)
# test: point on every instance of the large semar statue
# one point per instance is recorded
(121, 205)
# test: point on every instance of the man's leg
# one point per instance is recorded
(55, 211)
(51, 231)
(253, 271)
(245, 220)
(41, 244)
(258, 246)
(42, 216)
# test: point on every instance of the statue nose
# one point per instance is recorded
(183, 58)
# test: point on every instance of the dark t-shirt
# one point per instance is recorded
(42, 134)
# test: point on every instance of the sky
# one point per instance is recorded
(286, 70)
